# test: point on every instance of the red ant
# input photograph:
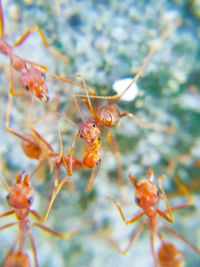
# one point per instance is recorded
(109, 115)
(36, 147)
(20, 197)
(32, 79)
(147, 198)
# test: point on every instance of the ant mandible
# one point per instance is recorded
(20, 198)
(147, 198)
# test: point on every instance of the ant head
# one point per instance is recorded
(146, 194)
(31, 149)
(19, 259)
(90, 130)
(33, 80)
(109, 115)
(169, 255)
(21, 194)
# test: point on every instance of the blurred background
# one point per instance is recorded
(106, 41)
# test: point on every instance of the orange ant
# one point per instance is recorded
(36, 147)
(147, 198)
(20, 198)
(109, 114)
(32, 78)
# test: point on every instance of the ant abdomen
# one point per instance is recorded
(169, 255)
(19, 259)
(31, 149)
(109, 115)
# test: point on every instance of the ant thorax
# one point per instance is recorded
(33, 80)
(92, 154)
(90, 130)
(109, 115)
(147, 197)
(5, 48)
(18, 63)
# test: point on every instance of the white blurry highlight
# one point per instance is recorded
(120, 85)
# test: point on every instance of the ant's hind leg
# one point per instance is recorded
(54, 52)
(135, 234)
(33, 248)
(177, 235)
(153, 126)
(117, 156)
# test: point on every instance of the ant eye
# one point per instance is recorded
(94, 125)
(8, 197)
(26, 87)
(30, 200)
(81, 136)
(43, 76)
(137, 200)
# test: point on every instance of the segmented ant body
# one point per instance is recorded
(20, 198)
(147, 198)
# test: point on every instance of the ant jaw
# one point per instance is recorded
(44, 98)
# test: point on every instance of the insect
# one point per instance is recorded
(32, 75)
(90, 132)
(34, 146)
(109, 115)
(20, 198)
(147, 198)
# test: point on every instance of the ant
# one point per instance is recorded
(34, 146)
(147, 197)
(109, 114)
(32, 75)
(89, 131)
(20, 198)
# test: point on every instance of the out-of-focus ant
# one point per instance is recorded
(147, 198)
(20, 198)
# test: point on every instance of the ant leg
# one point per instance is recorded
(152, 50)
(54, 233)
(173, 232)
(184, 190)
(162, 214)
(35, 214)
(2, 34)
(33, 248)
(135, 234)
(7, 213)
(5, 184)
(152, 247)
(54, 195)
(54, 52)
(93, 176)
(117, 156)
(8, 226)
(134, 219)
(154, 126)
